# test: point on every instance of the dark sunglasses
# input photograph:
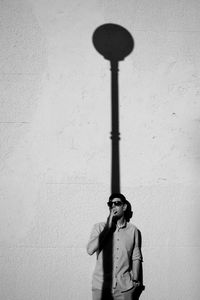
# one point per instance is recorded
(116, 203)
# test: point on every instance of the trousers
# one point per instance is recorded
(115, 295)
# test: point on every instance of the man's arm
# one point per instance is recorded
(136, 257)
(136, 267)
(98, 239)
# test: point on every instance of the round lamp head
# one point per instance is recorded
(113, 41)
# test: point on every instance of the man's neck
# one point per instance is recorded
(121, 221)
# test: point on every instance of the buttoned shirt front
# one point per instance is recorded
(114, 262)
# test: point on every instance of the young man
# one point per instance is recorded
(117, 245)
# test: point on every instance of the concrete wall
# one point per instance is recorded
(55, 147)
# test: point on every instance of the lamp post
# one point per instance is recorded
(114, 42)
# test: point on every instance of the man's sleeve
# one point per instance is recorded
(137, 254)
(93, 242)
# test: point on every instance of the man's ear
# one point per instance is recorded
(125, 207)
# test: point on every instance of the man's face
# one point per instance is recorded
(118, 207)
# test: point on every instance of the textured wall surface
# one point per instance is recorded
(55, 147)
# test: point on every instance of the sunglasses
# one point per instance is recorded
(116, 203)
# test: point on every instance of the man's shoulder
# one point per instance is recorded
(99, 226)
(132, 226)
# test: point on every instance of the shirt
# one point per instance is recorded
(114, 262)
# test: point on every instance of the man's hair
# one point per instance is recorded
(118, 195)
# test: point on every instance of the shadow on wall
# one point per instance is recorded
(114, 43)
